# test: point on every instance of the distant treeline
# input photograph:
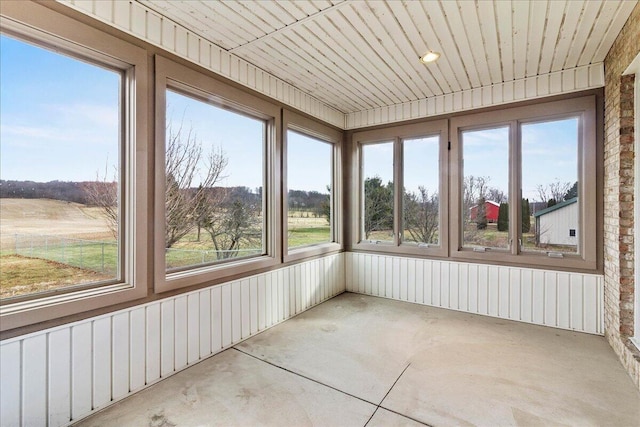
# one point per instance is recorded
(57, 190)
(76, 192)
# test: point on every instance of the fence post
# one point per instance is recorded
(102, 245)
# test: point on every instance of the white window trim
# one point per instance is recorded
(58, 31)
(298, 123)
(170, 74)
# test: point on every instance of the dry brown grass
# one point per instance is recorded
(52, 217)
(22, 275)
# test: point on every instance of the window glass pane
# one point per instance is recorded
(59, 171)
(550, 192)
(377, 170)
(214, 184)
(309, 164)
(486, 188)
(421, 206)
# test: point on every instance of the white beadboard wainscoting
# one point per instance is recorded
(551, 298)
(59, 375)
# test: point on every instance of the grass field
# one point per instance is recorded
(50, 244)
(22, 275)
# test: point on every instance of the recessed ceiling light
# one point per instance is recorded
(429, 57)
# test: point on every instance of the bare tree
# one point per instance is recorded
(556, 191)
(183, 163)
(103, 193)
(474, 189)
(421, 216)
(496, 195)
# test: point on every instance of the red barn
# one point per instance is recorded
(492, 209)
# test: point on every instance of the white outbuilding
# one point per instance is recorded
(558, 224)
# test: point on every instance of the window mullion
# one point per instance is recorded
(398, 191)
(515, 202)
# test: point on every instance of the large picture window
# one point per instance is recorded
(73, 159)
(214, 180)
(216, 174)
(61, 177)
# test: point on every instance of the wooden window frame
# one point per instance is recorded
(37, 24)
(582, 107)
(305, 126)
(171, 75)
(397, 134)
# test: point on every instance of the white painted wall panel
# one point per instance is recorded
(11, 384)
(558, 299)
(61, 375)
(137, 360)
(81, 372)
(59, 381)
(34, 380)
(120, 341)
(102, 355)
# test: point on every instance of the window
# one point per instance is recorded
(485, 188)
(421, 195)
(72, 125)
(552, 190)
(216, 207)
(60, 177)
(401, 183)
(312, 217)
(214, 163)
(526, 193)
(377, 192)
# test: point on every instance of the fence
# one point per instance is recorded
(187, 257)
(102, 257)
(93, 255)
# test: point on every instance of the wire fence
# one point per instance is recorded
(93, 255)
(186, 257)
(102, 256)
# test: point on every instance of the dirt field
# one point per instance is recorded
(52, 217)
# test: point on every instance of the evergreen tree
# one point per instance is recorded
(573, 192)
(503, 217)
(526, 216)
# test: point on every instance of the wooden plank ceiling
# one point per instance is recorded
(361, 55)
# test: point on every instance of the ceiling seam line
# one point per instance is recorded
(293, 25)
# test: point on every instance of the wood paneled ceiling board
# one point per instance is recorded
(359, 56)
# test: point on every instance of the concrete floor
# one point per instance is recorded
(358, 360)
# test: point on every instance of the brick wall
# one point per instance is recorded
(618, 195)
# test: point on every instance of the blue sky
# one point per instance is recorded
(59, 121)
(58, 117)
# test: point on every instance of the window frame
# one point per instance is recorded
(583, 107)
(174, 76)
(43, 27)
(313, 129)
(398, 134)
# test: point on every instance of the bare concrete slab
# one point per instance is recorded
(233, 389)
(358, 360)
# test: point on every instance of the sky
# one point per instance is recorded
(549, 155)
(59, 121)
(58, 117)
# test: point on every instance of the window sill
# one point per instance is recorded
(211, 274)
(38, 310)
(405, 249)
(303, 252)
